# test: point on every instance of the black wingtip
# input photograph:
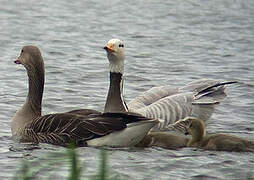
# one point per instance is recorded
(228, 82)
(218, 84)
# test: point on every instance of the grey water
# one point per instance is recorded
(167, 43)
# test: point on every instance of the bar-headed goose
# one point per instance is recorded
(168, 104)
(116, 56)
(217, 142)
(85, 128)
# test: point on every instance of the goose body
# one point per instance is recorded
(165, 103)
(114, 130)
(216, 142)
(82, 126)
(198, 102)
(156, 93)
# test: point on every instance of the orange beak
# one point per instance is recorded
(110, 47)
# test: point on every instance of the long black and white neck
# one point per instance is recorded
(115, 101)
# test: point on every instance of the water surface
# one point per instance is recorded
(167, 42)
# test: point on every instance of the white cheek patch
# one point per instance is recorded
(117, 67)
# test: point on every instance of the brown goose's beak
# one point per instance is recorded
(17, 61)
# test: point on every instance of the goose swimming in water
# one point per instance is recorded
(164, 140)
(217, 142)
(167, 104)
(81, 127)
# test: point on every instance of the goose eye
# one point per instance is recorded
(22, 50)
(121, 45)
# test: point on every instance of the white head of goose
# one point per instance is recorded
(116, 55)
(168, 104)
(82, 129)
(217, 142)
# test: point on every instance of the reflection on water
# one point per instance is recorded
(167, 42)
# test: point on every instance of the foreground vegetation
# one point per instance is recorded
(45, 168)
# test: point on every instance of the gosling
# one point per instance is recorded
(164, 140)
(216, 142)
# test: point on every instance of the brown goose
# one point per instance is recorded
(197, 99)
(85, 128)
(217, 142)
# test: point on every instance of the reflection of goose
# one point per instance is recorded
(218, 142)
(86, 127)
(165, 103)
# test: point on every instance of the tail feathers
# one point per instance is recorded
(213, 92)
(203, 85)
(199, 85)
(215, 87)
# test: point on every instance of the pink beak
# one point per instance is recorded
(17, 61)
